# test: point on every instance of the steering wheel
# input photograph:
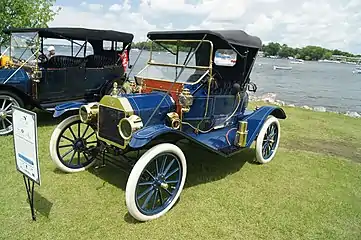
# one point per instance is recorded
(42, 57)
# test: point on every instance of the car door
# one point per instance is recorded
(62, 80)
(52, 85)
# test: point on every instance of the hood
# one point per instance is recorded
(144, 104)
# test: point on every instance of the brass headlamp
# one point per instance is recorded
(88, 112)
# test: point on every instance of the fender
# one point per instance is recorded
(258, 117)
(147, 134)
(65, 107)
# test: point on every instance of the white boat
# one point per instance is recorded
(357, 70)
(297, 61)
(282, 68)
(328, 61)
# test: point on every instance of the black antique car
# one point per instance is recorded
(88, 63)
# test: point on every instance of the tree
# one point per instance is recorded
(25, 14)
(272, 49)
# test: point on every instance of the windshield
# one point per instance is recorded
(167, 64)
(23, 45)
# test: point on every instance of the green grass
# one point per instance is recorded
(311, 190)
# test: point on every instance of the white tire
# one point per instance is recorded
(270, 134)
(152, 156)
(55, 145)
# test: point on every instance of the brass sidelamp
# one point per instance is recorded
(241, 134)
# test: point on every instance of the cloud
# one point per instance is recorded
(327, 23)
(120, 7)
(123, 20)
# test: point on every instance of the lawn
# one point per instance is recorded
(311, 190)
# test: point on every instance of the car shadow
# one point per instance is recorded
(202, 167)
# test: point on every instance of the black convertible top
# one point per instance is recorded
(77, 33)
(234, 37)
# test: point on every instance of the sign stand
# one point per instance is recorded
(26, 150)
(30, 192)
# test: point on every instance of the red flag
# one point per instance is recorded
(124, 58)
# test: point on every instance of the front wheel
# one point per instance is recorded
(73, 145)
(268, 140)
(156, 181)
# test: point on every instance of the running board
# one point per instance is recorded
(51, 106)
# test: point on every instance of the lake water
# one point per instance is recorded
(330, 85)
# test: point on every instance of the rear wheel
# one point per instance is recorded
(268, 140)
(7, 101)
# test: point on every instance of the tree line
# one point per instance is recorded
(305, 53)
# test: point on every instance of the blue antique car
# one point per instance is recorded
(83, 68)
(195, 89)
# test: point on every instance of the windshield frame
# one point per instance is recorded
(13, 43)
(150, 62)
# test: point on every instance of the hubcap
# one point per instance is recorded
(6, 103)
(3, 114)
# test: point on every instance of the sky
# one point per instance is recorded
(333, 24)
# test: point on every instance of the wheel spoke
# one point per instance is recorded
(67, 153)
(68, 145)
(167, 191)
(145, 192)
(171, 173)
(150, 195)
(89, 136)
(156, 167)
(72, 157)
(265, 145)
(86, 157)
(92, 142)
(78, 130)
(168, 167)
(78, 158)
(7, 107)
(67, 138)
(145, 183)
(3, 123)
(3, 106)
(171, 181)
(155, 198)
(151, 175)
(160, 197)
(72, 132)
(163, 164)
(86, 130)
(8, 121)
